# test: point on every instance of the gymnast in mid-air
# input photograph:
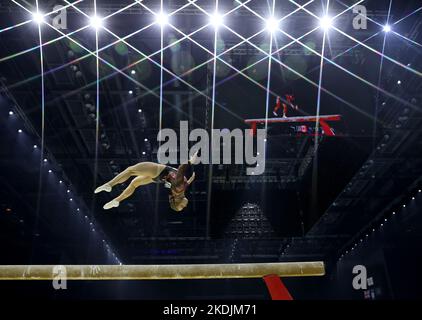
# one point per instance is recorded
(151, 172)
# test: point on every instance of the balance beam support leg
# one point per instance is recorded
(276, 287)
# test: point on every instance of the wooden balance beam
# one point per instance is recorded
(323, 121)
(162, 272)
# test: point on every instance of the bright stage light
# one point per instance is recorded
(387, 28)
(271, 24)
(96, 22)
(216, 20)
(161, 18)
(325, 23)
(38, 17)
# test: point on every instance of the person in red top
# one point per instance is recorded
(151, 172)
(290, 103)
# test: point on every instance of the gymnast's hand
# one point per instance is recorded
(194, 158)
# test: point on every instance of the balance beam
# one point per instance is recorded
(162, 272)
(322, 120)
(334, 117)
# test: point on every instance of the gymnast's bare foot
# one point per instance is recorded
(111, 204)
(105, 187)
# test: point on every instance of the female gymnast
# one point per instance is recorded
(151, 172)
(290, 102)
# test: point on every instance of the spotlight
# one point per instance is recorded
(49, 171)
(325, 23)
(143, 153)
(35, 146)
(387, 28)
(60, 181)
(133, 72)
(139, 110)
(78, 209)
(38, 17)
(419, 190)
(130, 92)
(146, 139)
(20, 131)
(399, 82)
(70, 199)
(404, 206)
(11, 113)
(216, 20)
(68, 191)
(45, 160)
(161, 18)
(96, 22)
(271, 24)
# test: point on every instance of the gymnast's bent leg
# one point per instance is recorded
(138, 181)
(146, 169)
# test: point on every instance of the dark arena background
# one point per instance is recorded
(85, 87)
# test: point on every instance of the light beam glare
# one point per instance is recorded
(97, 23)
(364, 45)
(407, 16)
(217, 21)
(162, 24)
(15, 26)
(148, 91)
(271, 24)
(15, 55)
(290, 69)
(305, 78)
(40, 179)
